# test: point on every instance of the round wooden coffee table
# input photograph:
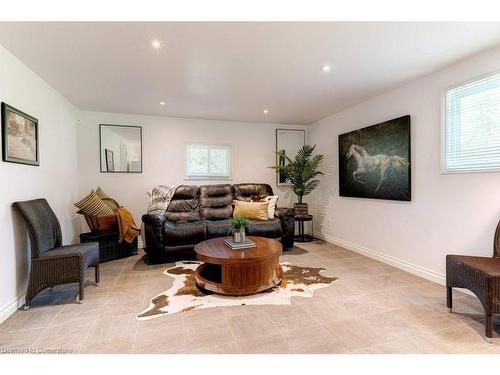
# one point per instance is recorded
(238, 272)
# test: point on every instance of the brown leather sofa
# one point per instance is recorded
(199, 213)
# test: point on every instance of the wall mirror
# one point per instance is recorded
(290, 141)
(121, 148)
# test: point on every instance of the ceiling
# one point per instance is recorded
(233, 71)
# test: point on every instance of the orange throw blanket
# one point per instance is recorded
(126, 225)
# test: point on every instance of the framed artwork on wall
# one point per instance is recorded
(374, 162)
(288, 141)
(20, 143)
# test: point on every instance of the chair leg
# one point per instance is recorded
(488, 325)
(97, 275)
(449, 297)
(80, 292)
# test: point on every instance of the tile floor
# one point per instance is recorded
(372, 308)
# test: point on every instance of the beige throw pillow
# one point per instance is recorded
(93, 205)
(251, 210)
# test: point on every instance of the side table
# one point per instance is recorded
(303, 237)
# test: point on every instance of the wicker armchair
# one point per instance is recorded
(51, 263)
(481, 275)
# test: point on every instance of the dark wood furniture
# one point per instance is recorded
(238, 272)
(52, 263)
(109, 246)
(302, 236)
(481, 275)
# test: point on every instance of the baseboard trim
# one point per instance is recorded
(393, 261)
(11, 307)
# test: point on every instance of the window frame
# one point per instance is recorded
(444, 134)
(208, 177)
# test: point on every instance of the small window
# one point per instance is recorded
(207, 161)
(471, 139)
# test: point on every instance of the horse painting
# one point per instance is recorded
(375, 161)
(381, 164)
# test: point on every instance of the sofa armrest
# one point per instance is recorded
(152, 235)
(287, 219)
(154, 219)
(282, 212)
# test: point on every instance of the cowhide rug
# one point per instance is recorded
(184, 295)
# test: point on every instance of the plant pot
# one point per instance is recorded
(301, 209)
(239, 235)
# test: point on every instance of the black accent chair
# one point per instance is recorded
(52, 263)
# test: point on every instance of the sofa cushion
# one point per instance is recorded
(184, 233)
(218, 228)
(184, 206)
(265, 228)
(215, 202)
(244, 192)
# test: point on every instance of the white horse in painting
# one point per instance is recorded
(378, 163)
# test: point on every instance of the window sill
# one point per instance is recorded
(208, 178)
(466, 171)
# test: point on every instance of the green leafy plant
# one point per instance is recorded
(301, 172)
(238, 222)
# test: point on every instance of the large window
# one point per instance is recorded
(471, 129)
(207, 161)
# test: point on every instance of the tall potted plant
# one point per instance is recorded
(302, 173)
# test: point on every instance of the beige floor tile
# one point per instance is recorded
(115, 345)
(289, 318)
(391, 326)
(356, 334)
(226, 348)
(251, 326)
(203, 317)
(326, 311)
(23, 340)
(274, 344)
(314, 340)
(66, 337)
(159, 342)
(461, 339)
(210, 335)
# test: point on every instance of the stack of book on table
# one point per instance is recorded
(239, 245)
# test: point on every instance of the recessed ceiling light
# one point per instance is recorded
(162, 103)
(266, 111)
(326, 68)
(156, 44)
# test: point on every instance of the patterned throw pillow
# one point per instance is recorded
(94, 206)
(272, 201)
(110, 202)
(159, 198)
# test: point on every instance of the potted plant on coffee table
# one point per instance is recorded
(302, 173)
(238, 224)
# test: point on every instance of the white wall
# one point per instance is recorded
(164, 151)
(56, 179)
(449, 213)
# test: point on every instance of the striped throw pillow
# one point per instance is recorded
(93, 205)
